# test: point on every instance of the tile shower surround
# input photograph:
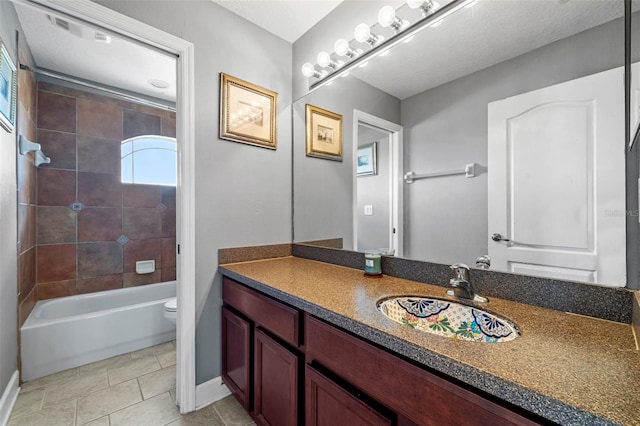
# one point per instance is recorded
(80, 251)
(27, 208)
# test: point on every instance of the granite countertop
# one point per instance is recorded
(567, 368)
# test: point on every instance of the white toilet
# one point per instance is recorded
(170, 307)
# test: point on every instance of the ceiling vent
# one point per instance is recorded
(102, 38)
(63, 24)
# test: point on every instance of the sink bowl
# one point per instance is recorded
(448, 319)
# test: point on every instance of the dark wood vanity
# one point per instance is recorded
(287, 367)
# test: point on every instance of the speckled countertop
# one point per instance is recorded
(567, 368)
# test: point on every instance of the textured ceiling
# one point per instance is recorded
(474, 38)
(122, 63)
(288, 19)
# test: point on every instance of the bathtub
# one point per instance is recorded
(71, 331)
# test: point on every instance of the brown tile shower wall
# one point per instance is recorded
(96, 248)
(26, 126)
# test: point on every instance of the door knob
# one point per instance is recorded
(499, 237)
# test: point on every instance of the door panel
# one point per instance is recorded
(327, 402)
(236, 356)
(276, 383)
(557, 180)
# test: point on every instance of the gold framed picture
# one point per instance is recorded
(247, 113)
(324, 133)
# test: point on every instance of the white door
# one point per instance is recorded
(556, 176)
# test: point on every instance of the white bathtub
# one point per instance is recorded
(71, 331)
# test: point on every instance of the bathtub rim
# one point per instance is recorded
(33, 322)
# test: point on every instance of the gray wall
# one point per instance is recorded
(323, 189)
(243, 193)
(8, 222)
(446, 127)
(373, 231)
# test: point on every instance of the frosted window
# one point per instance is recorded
(149, 160)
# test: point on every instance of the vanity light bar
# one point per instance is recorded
(437, 16)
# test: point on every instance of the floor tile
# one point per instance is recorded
(167, 359)
(135, 368)
(53, 378)
(106, 401)
(158, 382)
(114, 362)
(102, 421)
(172, 392)
(62, 414)
(154, 350)
(205, 416)
(28, 402)
(159, 410)
(232, 412)
(74, 388)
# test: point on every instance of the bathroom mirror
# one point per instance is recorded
(453, 90)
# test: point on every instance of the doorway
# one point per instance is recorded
(124, 26)
(377, 184)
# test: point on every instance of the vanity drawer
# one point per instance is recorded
(412, 392)
(277, 318)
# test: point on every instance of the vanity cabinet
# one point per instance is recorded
(334, 377)
(415, 394)
(260, 355)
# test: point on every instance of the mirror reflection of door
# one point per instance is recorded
(563, 211)
(374, 189)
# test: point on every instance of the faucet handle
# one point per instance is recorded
(461, 270)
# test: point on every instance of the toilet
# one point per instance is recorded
(170, 307)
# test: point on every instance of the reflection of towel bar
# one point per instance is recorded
(469, 171)
(26, 146)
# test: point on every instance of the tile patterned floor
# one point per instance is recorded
(134, 389)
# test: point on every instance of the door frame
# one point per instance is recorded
(96, 14)
(396, 166)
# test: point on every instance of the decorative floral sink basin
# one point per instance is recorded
(448, 319)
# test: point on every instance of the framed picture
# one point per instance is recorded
(247, 113)
(368, 159)
(8, 88)
(324, 133)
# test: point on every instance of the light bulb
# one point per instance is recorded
(362, 33)
(426, 6)
(323, 59)
(342, 47)
(386, 16)
(308, 70)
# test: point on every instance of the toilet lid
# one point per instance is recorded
(171, 305)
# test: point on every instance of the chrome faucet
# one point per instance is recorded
(461, 285)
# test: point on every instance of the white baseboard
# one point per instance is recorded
(210, 392)
(9, 397)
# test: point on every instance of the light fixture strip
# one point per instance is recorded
(413, 29)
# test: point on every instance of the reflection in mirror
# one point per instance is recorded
(634, 90)
(378, 165)
(536, 104)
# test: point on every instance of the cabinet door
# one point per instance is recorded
(276, 383)
(412, 392)
(236, 356)
(327, 403)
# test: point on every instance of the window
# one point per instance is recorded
(150, 160)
